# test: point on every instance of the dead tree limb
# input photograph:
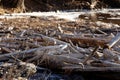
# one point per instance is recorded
(44, 54)
(85, 40)
(114, 41)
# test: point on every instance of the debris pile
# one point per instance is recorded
(29, 43)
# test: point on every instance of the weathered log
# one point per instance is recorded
(92, 69)
(55, 60)
(85, 40)
(44, 54)
(101, 63)
(101, 69)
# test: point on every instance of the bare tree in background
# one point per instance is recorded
(13, 4)
(93, 3)
(21, 5)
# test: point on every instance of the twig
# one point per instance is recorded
(101, 31)
(22, 34)
(94, 51)
(114, 41)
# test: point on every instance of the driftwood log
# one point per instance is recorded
(87, 41)
(44, 54)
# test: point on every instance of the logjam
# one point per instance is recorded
(31, 43)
